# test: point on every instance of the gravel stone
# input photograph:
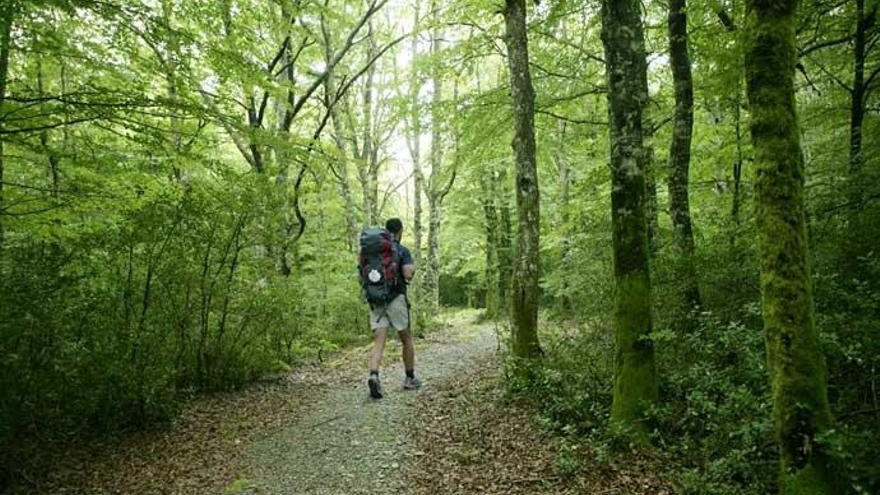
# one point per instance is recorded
(351, 444)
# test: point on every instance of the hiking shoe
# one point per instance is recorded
(411, 383)
(375, 387)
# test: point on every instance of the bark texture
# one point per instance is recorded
(795, 359)
(330, 94)
(490, 226)
(857, 103)
(6, 17)
(635, 381)
(435, 190)
(564, 200)
(415, 144)
(527, 265)
(652, 211)
(680, 149)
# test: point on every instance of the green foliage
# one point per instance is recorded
(572, 384)
(714, 418)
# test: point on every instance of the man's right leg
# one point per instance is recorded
(410, 382)
(379, 337)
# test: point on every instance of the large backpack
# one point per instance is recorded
(379, 265)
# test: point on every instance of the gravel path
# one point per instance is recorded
(350, 444)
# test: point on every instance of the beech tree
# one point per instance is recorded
(680, 148)
(527, 262)
(635, 381)
(796, 363)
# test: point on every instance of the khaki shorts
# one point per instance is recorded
(395, 314)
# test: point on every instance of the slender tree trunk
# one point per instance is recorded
(416, 130)
(7, 10)
(564, 200)
(282, 158)
(680, 148)
(171, 66)
(371, 147)
(857, 103)
(635, 380)
(415, 149)
(505, 241)
(432, 270)
(366, 166)
(527, 266)
(647, 164)
(46, 141)
(491, 227)
(795, 359)
(652, 211)
(330, 91)
(737, 170)
(431, 279)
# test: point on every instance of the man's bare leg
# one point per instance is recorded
(379, 337)
(409, 360)
(409, 353)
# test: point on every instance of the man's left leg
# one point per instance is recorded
(379, 337)
(409, 360)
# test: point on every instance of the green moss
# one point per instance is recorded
(635, 379)
(795, 361)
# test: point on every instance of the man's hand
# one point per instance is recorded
(408, 272)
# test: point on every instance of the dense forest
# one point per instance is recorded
(669, 208)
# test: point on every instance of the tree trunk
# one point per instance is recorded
(330, 91)
(527, 266)
(366, 166)
(432, 270)
(431, 279)
(505, 242)
(415, 147)
(6, 18)
(635, 380)
(737, 170)
(46, 141)
(564, 200)
(491, 226)
(680, 148)
(857, 103)
(652, 211)
(795, 360)
(171, 67)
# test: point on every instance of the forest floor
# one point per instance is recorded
(315, 431)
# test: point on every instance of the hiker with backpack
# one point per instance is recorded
(385, 268)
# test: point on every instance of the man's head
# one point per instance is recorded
(395, 226)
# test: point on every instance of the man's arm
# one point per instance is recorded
(407, 263)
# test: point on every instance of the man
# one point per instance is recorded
(394, 314)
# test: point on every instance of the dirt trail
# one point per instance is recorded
(315, 431)
(347, 443)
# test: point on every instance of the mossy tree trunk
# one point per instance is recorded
(635, 381)
(795, 359)
(680, 149)
(526, 267)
